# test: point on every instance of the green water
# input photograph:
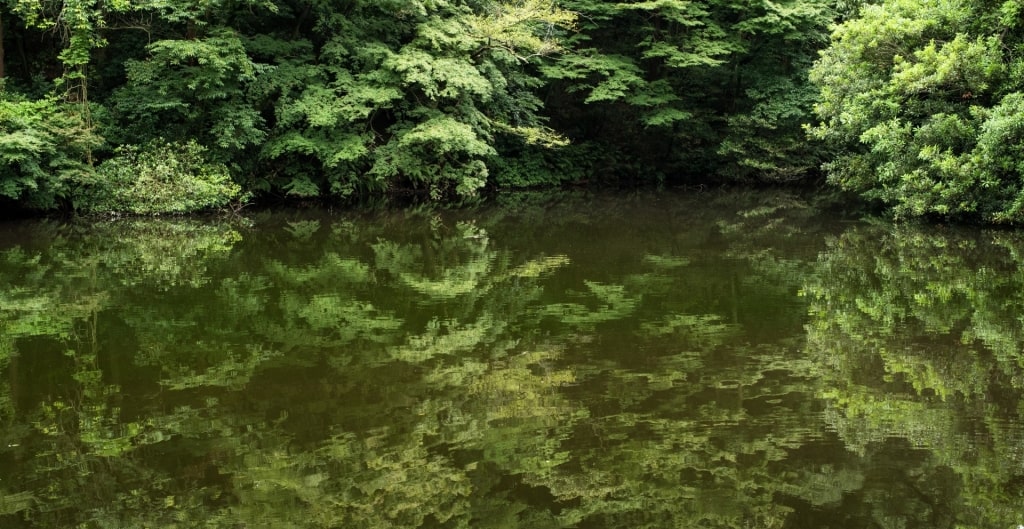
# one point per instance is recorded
(714, 360)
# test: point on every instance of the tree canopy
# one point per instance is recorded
(922, 100)
(311, 99)
(911, 104)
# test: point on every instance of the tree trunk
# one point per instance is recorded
(2, 58)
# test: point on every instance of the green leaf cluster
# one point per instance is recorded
(921, 99)
(42, 149)
(160, 178)
(310, 99)
(415, 101)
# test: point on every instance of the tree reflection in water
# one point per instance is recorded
(723, 360)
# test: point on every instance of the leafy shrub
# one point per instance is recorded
(43, 150)
(534, 166)
(921, 99)
(162, 177)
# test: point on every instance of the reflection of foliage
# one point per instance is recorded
(613, 303)
(454, 369)
(171, 252)
(914, 332)
(399, 372)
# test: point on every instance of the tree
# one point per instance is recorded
(44, 149)
(921, 100)
(418, 100)
(692, 89)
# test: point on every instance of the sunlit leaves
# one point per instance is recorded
(522, 28)
(906, 89)
(441, 77)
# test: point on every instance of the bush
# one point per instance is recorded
(162, 177)
(44, 148)
(921, 98)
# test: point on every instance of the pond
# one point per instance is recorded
(641, 360)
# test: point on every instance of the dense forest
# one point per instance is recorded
(163, 106)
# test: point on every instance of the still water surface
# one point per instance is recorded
(718, 360)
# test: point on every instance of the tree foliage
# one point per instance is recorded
(718, 88)
(309, 99)
(917, 101)
(920, 99)
(43, 148)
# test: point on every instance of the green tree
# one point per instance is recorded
(708, 90)
(191, 89)
(44, 149)
(919, 99)
(416, 100)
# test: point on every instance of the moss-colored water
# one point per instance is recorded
(635, 361)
